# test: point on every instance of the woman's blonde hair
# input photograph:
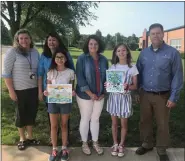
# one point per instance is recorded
(16, 40)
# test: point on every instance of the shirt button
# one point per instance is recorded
(153, 60)
(151, 89)
(151, 75)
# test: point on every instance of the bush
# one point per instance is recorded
(138, 49)
(183, 55)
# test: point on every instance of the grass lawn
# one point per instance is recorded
(41, 130)
(107, 53)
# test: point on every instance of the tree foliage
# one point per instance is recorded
(41, 17)
(112, 41)
(99, 34)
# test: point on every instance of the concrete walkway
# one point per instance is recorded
(41, 153)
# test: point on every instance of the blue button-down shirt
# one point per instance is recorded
(86, 75)
(44, 65)
(161, 70)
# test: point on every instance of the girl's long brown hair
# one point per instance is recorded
(115, 58)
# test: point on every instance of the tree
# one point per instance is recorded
(99, 34)
(108, 38)
(81, 42)
(42, 17)
(75, 37)
(133, 42)
(5, 35)
(119, 38)
(108, 42)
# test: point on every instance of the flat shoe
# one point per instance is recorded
(141, 150)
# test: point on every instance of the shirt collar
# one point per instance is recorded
(160, 48)
(99, 55)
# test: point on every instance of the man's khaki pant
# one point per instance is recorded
(154, 105)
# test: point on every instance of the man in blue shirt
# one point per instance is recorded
(160, 81)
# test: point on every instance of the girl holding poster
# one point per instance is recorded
(120, 104)
(59, 73)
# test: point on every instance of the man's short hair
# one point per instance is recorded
(156, 25)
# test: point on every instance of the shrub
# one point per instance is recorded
(183, 55)
(138, 49)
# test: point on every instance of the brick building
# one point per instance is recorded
(173, 37)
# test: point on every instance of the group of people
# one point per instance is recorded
(157, 77)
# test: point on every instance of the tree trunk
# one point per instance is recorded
(14, 28)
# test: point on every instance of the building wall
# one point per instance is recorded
(177, 35)
(140, 42)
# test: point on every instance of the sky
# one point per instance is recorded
(133, 17)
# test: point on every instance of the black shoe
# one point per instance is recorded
(141, 150)
(163, 157)
(64, 155)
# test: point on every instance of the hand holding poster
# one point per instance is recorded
(115, 80)
(59, 93)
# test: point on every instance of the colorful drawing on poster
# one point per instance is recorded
(59, 93)
(115, 80)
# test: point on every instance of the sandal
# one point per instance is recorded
(97, 148)
(21, 145)
(85, 148)
(32, 142)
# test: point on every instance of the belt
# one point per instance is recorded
(158, 93)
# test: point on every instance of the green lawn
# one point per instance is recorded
(107, 53)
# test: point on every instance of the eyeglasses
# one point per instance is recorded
(59, 57)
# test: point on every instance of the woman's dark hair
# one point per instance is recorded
(53, 64)
(115, 58)
(47, 51)
(101, 45)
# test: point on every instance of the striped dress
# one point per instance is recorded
(120, 104)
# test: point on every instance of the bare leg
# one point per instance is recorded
(22, 134)
(29, 130)
(64, 129)
(115, 129)
(124, 128)
(54, 128)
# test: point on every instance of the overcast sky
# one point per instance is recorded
(132, 17)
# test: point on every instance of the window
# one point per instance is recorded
(176, 43)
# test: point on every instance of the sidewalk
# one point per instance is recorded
(41, 153)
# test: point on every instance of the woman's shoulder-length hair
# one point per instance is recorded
(101, 45)
(46, 49)
(16, 40)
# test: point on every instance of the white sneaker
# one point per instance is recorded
(121, 151)
(114, 150)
